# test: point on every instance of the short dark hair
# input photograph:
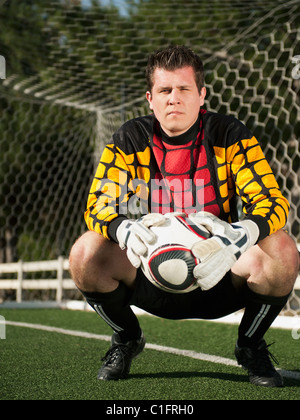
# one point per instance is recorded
(173, 58)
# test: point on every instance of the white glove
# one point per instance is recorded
(219, 253)
(135, 235)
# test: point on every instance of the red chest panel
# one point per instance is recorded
(186, 185)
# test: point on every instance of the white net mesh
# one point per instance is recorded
(75, 72)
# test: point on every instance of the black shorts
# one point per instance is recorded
(221, 300)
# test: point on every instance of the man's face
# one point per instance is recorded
(175, 99)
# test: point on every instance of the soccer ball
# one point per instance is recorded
(169, 263)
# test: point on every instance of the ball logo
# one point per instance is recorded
(169, 263)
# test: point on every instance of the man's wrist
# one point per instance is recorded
(251, 229)
(113, 227)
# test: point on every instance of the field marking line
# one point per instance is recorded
(172, 350)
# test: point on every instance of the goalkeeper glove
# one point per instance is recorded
(218, 254)
(135, 235)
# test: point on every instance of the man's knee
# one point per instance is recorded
(280, 250)
(97, 264)
(271, 266)
(86, 258)
(83, 250)
(86, 247)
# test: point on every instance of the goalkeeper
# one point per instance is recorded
(184, 158)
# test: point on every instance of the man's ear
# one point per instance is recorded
(202, 95)
(149, 99)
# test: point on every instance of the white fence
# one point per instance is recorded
(59, 283)
(21, 283)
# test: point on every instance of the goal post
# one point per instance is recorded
(72, 71)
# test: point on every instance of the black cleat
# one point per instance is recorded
(117, 360)
(259, 366)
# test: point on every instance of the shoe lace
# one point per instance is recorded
(114, 353)
(262, 360)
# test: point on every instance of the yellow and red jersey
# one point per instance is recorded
(142, 170)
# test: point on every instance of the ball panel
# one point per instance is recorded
(201, 232)
(173, 271)
(171, 266)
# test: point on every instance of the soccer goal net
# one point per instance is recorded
(72, 71)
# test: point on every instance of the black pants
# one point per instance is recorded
(221, 300)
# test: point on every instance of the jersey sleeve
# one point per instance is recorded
(255, 183)
(108, 192)
(119, 189)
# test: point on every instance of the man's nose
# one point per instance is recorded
(174, 97)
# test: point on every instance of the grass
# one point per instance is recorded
(38, 365)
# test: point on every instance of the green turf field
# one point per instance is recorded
(37, 364)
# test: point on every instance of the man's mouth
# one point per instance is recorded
(175, 113)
